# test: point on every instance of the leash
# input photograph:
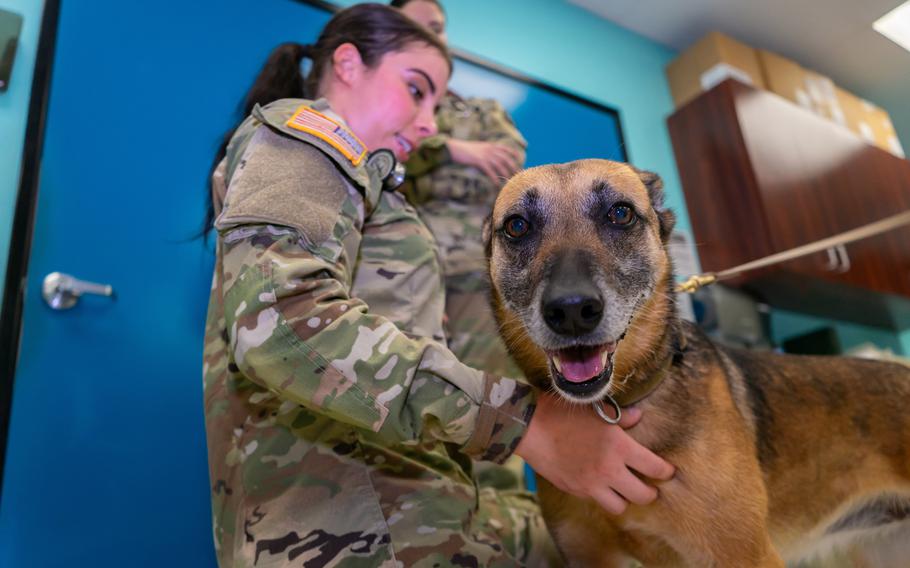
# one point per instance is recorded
(697, 281)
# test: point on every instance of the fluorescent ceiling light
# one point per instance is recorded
(895, 25)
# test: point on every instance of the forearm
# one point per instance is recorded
(296, 331)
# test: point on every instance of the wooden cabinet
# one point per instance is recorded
(762, 175)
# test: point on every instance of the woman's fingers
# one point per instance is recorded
(514, 154)
(488, 171)
(506, 158)
(500, 163)
(634, 489)
(610, 500)
(649, 464)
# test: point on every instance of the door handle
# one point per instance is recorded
(62, 291)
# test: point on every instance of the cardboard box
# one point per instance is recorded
(717, 57)
(809, 89)
(823, 97)
(869, 122)
(785, 78)
(710, 61)
(852, 108)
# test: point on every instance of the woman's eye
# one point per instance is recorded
(416, 92)
(516, 227)
(621, 215)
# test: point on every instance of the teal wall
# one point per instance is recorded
(900, 116)
(568, 47)
(13, 117)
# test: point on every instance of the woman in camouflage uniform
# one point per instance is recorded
(340, 428)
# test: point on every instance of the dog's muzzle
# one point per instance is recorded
(572, 308)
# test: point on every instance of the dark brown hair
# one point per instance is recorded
(374, 29)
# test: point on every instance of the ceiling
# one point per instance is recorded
(833, 37)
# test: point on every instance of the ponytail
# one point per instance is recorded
(280, 77)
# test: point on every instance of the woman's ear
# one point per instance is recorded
(347, 63)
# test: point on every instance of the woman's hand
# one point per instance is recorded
(582, 455)
(496, 160)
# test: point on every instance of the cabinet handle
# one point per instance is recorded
(844, 258)
(833, 259)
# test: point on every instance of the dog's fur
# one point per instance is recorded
(777, 457)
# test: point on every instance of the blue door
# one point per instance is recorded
(106, 461)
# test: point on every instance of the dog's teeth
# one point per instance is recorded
(556, 364)
(604, 357)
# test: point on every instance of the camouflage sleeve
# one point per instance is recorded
(294, 328)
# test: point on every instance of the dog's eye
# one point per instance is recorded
(516, 227)
(621, 215)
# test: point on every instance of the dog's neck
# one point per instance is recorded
(647, 353)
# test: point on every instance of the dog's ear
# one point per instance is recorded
(488, 236)
(655, 187)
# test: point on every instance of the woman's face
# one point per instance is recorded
(427, 14)
(395, 101)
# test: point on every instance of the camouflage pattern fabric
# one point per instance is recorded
(453, 200)
(340, 430)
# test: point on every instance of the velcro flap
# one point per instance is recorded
(283, 182)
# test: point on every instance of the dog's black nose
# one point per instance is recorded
(573, 315)
(571, 302)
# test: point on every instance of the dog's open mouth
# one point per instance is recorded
(582, 370)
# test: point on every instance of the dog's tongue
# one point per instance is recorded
(579, 370)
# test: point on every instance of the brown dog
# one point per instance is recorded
(777, 456)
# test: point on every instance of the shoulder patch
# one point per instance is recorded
(280, 181)
(321, 126)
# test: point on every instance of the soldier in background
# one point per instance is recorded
(341, 430)
(453, 180)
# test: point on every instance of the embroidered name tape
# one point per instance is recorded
(319, 125)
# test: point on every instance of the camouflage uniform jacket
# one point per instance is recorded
(340, 429)
(452, 198)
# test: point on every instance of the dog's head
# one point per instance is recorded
(577, 262)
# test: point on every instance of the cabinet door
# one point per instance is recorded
(817, 180)
(879, 187)
(804, 166)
